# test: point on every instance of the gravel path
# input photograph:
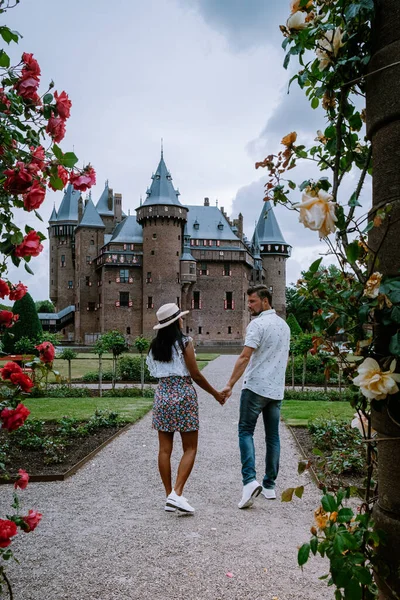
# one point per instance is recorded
(105, 536)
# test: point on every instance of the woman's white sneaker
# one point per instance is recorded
(179, 502)
(268, 493)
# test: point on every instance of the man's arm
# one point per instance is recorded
(238, 369)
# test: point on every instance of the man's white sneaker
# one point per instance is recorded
(250, 492)
(268, 494)
(179, 502)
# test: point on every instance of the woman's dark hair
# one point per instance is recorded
(161, 346)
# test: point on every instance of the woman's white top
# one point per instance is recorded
(176, 366)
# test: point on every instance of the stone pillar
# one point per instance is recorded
(383, 128)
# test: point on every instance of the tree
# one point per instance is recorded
(114, 342)
(295, 332)
(141, 344)
(99, 349)
(44, 306)
(302, 347)
(28, 324)
(69, 355)
(301, 307)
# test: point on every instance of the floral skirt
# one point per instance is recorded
(175, 405)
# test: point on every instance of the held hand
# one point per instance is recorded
(219, 396)
(227, 392)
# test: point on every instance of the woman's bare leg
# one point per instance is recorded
(166, 440)
(189, 445)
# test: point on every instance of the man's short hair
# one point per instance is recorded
(262, 292)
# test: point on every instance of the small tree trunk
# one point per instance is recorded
(292, 371)
(69, 374)
(114, 369)
(340, 379)
(303, 378)
(100, 375)
(142, 372)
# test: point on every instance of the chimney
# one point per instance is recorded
(118, 207)
(206, 202)
(240, 226)
(110, 199)
(80, 209)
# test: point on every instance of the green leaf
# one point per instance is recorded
(329, 503)
(292, 185)
(4, 59)
(315, 266)
(345, 515)
(394, 346)
(28, 269)
(303, 554)
(286, 61)
(338, 544)
(56, 183)
(287, 495)
(69, 160)
(302, 466)
(363, 313)
(354, 200)
(353, 252)
(395, 314)
(368, 227)
(48, 98)
(353, 590)
(299, 491)
(8, 35)
(314, 103)
(58, 153)
(314, 544)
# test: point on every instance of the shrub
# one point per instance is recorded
(329, 396)
(332, 434)
(60, 391)
(93, 376)
(129, 369)
(314, 374)
(128, 393)
(28, 324)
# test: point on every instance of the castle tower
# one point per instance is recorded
(109, 207)
(163, 218)
(62, 249)
(89, 239)
(274, 252)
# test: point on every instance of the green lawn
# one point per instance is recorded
(52, 409)
(298, 412)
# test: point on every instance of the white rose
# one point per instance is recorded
(329, 46)
(297, 20)
(317, 212)
(374, 383)
(371, 289)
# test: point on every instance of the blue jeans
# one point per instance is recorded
(251, 405)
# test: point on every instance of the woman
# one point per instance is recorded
(172, 360)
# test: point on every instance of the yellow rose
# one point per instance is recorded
(317, 212)
(297, 20)
(371, 289)
(289, 139)
(329, 46)
(374, 383)
(295, 5)
(321, 518)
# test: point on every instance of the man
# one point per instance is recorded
(263, 360)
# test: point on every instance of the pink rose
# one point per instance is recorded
(4, 288)
(46, 352)
(32, 520)
(23, 381)
(35, 196)
(62, 173)
(63, 104)
(4, 99)
(27, 88)
(31, 65)
(18, 179)
(30, 246)
(83, 181)
(22, 480)
(56, 128)
(7, 318)
(18, 291)
(38, 157)
(8, 369)
(7, 530)
(13, 418)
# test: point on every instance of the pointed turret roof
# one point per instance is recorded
(161, 190)
(128, 231)
(267, 228)
(91, 217)
(68, 210)
(102, 205)
(256, 245)
(53, 216)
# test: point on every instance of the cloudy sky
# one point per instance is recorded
(204, 75)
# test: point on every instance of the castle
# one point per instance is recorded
(109, 270)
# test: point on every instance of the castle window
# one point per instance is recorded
(279, 272)
(150, 302)
(192, 242)
(210, 242)
(177, 253)
(187, 329)
(197, 242)
(178, 278)
(152, 252)
(148, 278)
(124, 275)
(227, 270)
(91, 306)
(154, 236)
(128, 330)
(87, 280)
(203, 269)
(70, 285)
(92, 242)
(124, 246)
(200, 330)
(196, 302)
(132, 246)
(88, 260)
(62, 261)
(192, 269)
(178, 302)
(205, 242)
(229, 329)
(271, 288)
(229, 303)
(217, 242)
(179, 237)
(124, 298)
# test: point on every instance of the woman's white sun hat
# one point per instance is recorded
(167, 314)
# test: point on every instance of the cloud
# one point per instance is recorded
(244, 23)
